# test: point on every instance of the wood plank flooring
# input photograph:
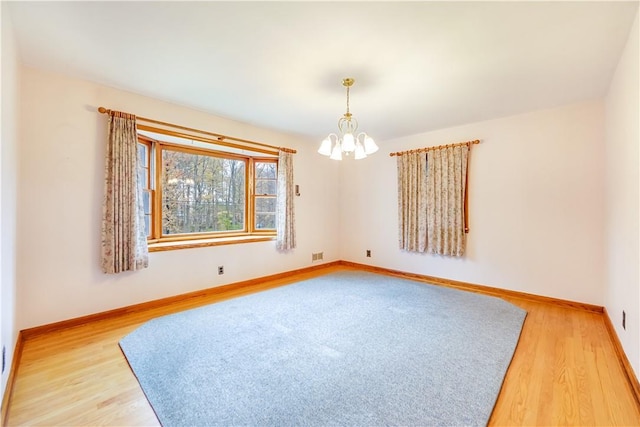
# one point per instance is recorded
(564, 372)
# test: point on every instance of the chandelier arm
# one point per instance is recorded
(336, 138)
(348, 125)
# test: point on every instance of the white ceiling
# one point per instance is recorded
(418, 66)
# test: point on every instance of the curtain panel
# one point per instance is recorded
(431, 200)
(446, 187)
(124, 241)
(285, 215)
(412, 199)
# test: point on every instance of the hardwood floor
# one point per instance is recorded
(565, 371)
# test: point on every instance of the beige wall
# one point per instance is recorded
(622, 199)
(61, 189)
(536, 205)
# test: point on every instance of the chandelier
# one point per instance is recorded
(347, 141)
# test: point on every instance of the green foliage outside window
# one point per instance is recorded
(202, 193)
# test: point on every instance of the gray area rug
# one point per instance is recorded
(349, 348)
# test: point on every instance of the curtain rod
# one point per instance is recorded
(218, 136)
(421, 150)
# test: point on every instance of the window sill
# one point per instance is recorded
(200, 243)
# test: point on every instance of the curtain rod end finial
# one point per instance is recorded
(102, 110)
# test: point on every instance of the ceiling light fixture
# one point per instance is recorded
(347, 142)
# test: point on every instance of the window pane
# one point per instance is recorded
(264, 186)
(265, 170)
(146, 207)
(201, 193)
(265, 212)
(265, 221)
(143, 164)
(142, 155)
(146, 202)
(266, 204)
(147, 224)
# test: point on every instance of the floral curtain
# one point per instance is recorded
(285, 216)
(446, 187)
(412, 199)
(432, 200)
(124, 241)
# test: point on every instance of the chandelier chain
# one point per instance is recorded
(348, 101)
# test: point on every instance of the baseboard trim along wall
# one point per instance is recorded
(64, 324)
(628, 370)
(487, 290)
(8, 392)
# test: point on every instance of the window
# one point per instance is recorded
(265, 195)
(144, 158)
(193, 191)
(201, 193)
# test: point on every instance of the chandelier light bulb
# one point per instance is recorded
(348, 143)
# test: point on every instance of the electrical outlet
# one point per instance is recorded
(221, 269)
(624, 320)
(369, 253)
(318, 256)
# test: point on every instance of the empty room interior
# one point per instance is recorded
(320, 213)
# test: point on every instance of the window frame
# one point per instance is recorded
(149, 173)
(255, 195)
(158, 241)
